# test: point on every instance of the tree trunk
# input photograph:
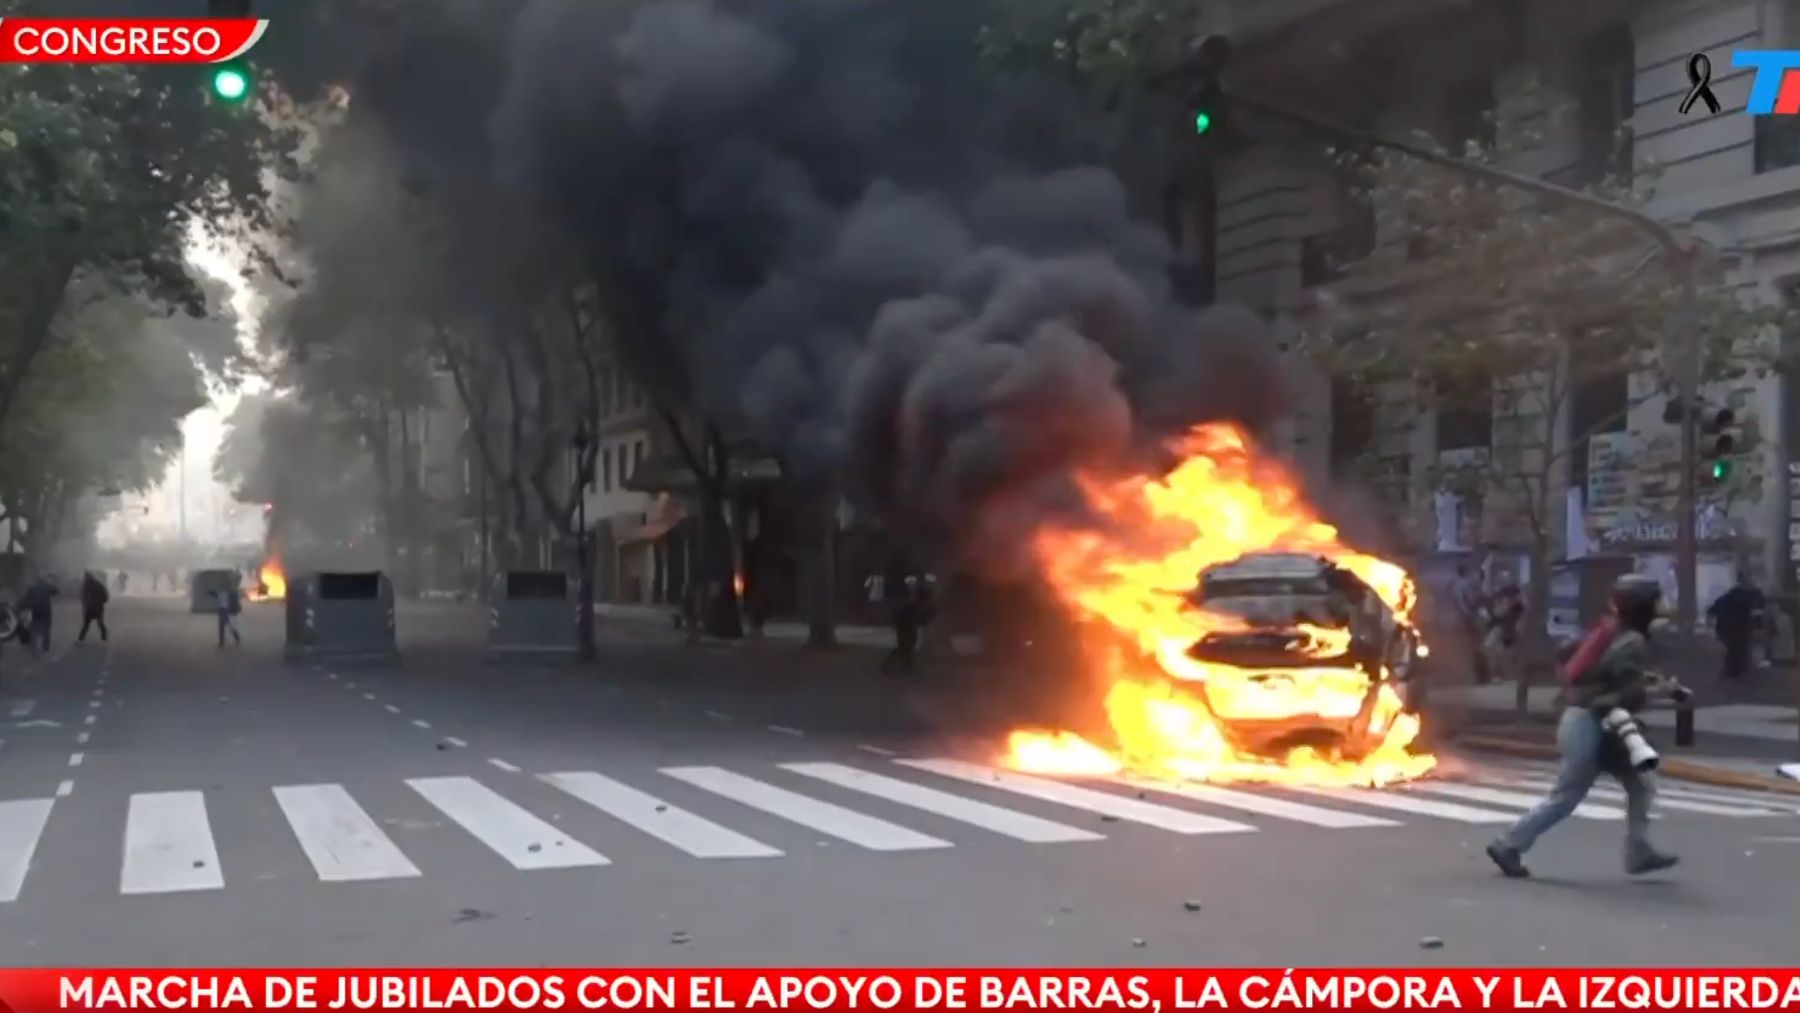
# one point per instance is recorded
(1534, 640)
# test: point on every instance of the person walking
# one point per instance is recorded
(38, 606)
(1609, 671)
(1471, 608)
(901, 588)
(1736, 616)
(229, 602)
(94, 597)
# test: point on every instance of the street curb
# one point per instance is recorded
(1672, 767)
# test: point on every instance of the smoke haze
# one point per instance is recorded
(825, 222)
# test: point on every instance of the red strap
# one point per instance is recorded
(1592, 647)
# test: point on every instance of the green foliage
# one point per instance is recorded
(1485, 288)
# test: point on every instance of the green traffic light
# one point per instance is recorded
(1721, 470)
(231, 83)
(1202, 122)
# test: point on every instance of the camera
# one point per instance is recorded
(1621, 725)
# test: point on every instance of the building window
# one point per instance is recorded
(605, 470)
(1465, 416)
(1606, 96)
(1352, 425)
(1469, 116)
(624, 469)
(605, 393)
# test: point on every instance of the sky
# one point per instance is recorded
(212, 515)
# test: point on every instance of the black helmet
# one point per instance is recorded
(1635, 597)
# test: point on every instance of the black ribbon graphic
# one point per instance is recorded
(1700, 76)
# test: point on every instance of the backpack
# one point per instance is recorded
(1593, 645)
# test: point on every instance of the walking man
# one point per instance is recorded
(1619, 677)
(94, 597)
(37, 606)
(1736, 616)
(229, 602)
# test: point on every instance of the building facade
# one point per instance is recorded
(1284, 227)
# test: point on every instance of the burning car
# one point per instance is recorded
(1303, 657)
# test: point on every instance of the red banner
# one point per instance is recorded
(865, 989)
(127, 40)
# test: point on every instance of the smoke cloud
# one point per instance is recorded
(834, 228)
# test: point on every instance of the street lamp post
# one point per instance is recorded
(584, 619)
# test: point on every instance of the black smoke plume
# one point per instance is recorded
(828, 223)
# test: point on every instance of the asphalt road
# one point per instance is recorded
(164, 801)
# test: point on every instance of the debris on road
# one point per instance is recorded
(1431, 943)
(1191, 905)
(679, 937)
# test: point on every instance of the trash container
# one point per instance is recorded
(341, 616)
(533, 612)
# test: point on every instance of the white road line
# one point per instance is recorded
(525, 841)
(1680, 802)
(93, 705)
(390, 708)
(785, 730)
(454, 741)
(340, 838)
(421, 724)
(718, 715)
(877, 750)
(169, 845)
(1262, 805)
(1017, 825)
(699, 837)
(81, 738)
(21, 824)
(1104, 803)
(503, 765)
(331, 675)
(23, 708)
(1408, 804)
(76, 758)
(369, 696)
(65, 788)
(91, 718)
(1501, 797)
(844, 824)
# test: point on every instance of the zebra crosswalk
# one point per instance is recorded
(168, 843)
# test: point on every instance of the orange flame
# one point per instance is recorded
(271, 582)
(1174, 715)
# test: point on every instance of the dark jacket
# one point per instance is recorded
(93, 594)
(1620, 678)
(36, 599)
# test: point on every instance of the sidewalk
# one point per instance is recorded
(786, 631)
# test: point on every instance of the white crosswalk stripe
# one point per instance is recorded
(1262, 805)
(695, 835)
(525, 841)
(1512, 799)
(169, 845)
(1017, 825)
(21, 824)
(342, 841)
(837, 821)
(1180, 821)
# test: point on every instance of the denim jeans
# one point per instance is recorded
(1581, 738)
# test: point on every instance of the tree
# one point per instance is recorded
(1546, 325)
(104, 409)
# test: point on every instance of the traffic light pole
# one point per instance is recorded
(1685, 329)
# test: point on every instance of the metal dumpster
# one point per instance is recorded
(341, 616)
(533, 612)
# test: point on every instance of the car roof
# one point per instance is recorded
(1265, 565)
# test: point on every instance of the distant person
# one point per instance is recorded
(228, 601)
(1736, 616)
(905, 592)
(37, 605)
(94, 597)
(1472, 610)
(124, 580)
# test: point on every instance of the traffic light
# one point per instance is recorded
(231, 82)
(1719, 428)
(1205, 95)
